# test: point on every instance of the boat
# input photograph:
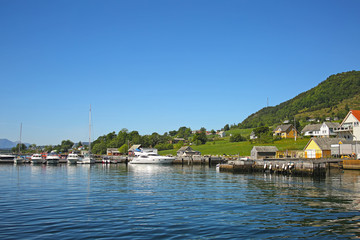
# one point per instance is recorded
(19, 159)
(108, 160)
(52, 158)
(88, 159)
(7, 158)
(151, 158)
(37, 158)
(73, 158)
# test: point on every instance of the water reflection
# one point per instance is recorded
(156, 201)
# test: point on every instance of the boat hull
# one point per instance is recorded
(72, 161)
(37, 161)
(152, 161)
(87, 160)
(7, 158)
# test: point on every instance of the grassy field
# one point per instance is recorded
(243, 148)
(244, 132)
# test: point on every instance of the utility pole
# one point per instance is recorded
(295, 128)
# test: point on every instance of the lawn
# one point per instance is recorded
(244, 132)
(243, 148)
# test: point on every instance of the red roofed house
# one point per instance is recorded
(350, 127)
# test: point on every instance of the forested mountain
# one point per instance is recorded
(331, 98)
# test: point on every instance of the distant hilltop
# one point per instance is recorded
(332, 98)
(7, 144)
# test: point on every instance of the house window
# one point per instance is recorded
(356, 124)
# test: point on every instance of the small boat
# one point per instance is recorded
(150, 158)
(19, 160)
(37, 158)
(52, 158)
(88, 159)
(7, 158)
(106, 160)
(73, 158)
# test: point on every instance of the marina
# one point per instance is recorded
(147, 201)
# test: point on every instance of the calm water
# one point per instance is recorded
(173, 202)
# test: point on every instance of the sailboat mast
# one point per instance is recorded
(90, 131)
(20, 137)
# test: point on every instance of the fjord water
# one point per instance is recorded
(173, 202)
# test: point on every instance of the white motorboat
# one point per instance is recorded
(37, 158)
(73, 158)
(19, 160)
(88, 159)
(151, 158)
(52, 158)
(7, 158)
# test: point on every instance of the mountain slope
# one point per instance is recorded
(332, 97)
(7, 144)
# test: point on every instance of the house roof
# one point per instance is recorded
(265, 148)
(325, 143)
(311, 127)
(135, 146)
(186, 149)
(284, 128)
(355, 113)
(332, 124)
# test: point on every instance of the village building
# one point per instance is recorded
(253, 135)
(177, 140)
(262, 152)
(112, 152)
(285, 131)
(221, 133)
(350, 127)
(325, 129)
(321, 147)
(187, 151)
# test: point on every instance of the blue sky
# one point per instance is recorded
(154, 66)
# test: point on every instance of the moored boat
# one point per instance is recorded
(151, 158)
(7, 158)
(88, 159)
(52, 158)
(19, 160)
(37, 158)
(73, 158)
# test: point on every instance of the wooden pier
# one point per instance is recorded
(296, 167)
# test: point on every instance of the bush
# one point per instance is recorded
(237, 138)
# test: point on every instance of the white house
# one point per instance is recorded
(349, 127)
(221, 134)
(325, 129)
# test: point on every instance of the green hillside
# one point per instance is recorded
(331, 98)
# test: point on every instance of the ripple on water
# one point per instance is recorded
(173, 202)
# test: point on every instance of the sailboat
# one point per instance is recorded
(19, 159)
(87, 159)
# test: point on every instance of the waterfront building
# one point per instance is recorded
(262, 152)
(321, 147)
(350, 127)
(187, 151)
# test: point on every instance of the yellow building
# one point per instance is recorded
(285, 131)
(320, 147)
